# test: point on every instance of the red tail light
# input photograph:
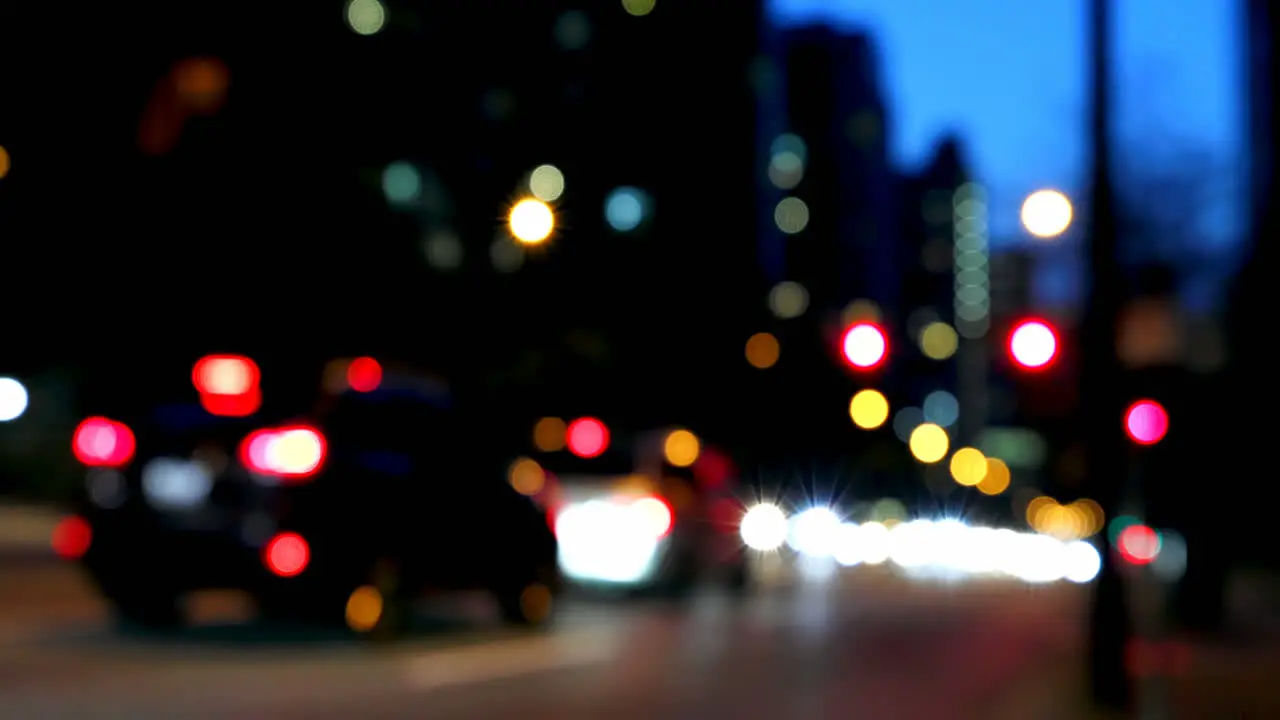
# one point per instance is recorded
(228, 385)
(225, 375)
(656, 515)
(101, 442)
(287, 555)
(72, 538)
(232, 405)
(294, 452)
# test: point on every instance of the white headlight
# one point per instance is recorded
(764, 527)
(172, 484)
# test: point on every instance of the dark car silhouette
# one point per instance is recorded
(350, 510)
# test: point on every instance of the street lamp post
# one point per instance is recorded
(1101, 403)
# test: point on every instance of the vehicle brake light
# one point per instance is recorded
(287, 555)
(72, 537)
(655, 514)
(225, 375)
(289, 452)
(228, 385)
(232, 405)
(102, 442)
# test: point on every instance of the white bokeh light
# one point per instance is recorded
(1046, 214)
(814, 532)
(764, 527)
(864, 345)
(1081, 561)
(13, 399)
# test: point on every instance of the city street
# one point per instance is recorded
(865, 644)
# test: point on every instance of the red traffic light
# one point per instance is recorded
(587, 437)
(1146, 422)
(1033, 344)
(865, 346)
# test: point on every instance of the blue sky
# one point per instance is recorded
(1009, 76)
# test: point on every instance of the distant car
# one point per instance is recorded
(627, 519)
(346, 512)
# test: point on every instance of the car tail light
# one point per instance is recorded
(289, 452)
(71, 538)
(225, 375)
(228, 385)
(655, 514)
(287, 555)
(102, 442)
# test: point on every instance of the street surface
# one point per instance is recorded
(865, 644)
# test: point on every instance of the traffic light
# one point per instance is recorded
(1033, 344)
(1146, 422)
(865, 346)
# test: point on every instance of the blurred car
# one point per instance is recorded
(349, 511)
(627, 518)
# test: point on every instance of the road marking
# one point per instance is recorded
(508, 659)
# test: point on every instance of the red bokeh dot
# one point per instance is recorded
(1146, 422)
(287, 555)
(364, 374)
(1139, 544)
(72, 538)
(587, 437)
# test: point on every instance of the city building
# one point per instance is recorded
(839, 203)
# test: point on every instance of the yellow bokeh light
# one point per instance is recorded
(5, 162)
(638, 8)
(1092, 517)
(861, 311)
(546, 182)
(938, 341)
(968, 466)
(1035, 507)
(1079, 520)
(869, 409)
(929, 443)
(633, 485)
(681, 448)
(997, 478)
(526, 476)
(531, 221)
(536, 602)
(364, 609)
(788, 300)
(763, 350)
(549, 434)
(1046, 214)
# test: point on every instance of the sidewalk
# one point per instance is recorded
(25, 531)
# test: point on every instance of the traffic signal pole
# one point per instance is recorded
(1102, 405)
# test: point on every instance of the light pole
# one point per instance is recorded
(1101, 403)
